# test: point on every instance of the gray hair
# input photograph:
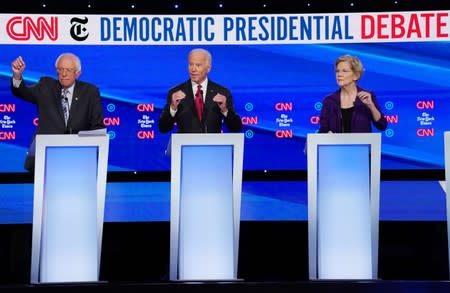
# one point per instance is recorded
(73, 56)
(203, 51)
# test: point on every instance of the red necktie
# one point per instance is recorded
(199, 102)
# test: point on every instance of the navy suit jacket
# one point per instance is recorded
(186, 117)
(85, 111)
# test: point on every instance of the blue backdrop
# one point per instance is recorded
(277, 90)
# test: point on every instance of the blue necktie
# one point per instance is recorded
(65, 105)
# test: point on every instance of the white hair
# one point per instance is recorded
(203, 51)
(73, 56)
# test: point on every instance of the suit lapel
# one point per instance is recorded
(190, 99)
(211, 91)
(188, 90)
(75, 99)
(57, 94)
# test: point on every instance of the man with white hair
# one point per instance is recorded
(199, 105)
(64, 105)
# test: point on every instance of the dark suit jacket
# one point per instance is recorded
(85, 111)
(186, 116)
(362, 119)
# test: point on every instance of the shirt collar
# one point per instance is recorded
(70, 89)
(204, 84)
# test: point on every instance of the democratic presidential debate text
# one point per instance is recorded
(225, 29)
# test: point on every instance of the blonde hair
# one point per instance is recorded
(355, 64)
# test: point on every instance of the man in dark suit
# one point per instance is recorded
(199, 105)
(65, 106)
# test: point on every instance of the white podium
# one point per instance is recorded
(343, 205)
(68, 210)
(447, 185)
(206, 185)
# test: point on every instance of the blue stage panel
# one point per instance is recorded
(261, 201)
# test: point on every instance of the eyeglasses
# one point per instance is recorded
(66, 70)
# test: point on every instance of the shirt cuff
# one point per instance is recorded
(16, 82)
(172, 112)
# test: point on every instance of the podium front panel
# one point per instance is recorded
(70, 234)
(343, 210)
(447, 187)
(206, 213)
(206, 185)
(69, 195)
(343, 205)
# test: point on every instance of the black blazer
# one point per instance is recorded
(186, 117)
(85, 111)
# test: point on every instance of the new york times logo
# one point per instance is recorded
(78, 30)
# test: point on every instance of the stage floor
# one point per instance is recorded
(242, 286)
